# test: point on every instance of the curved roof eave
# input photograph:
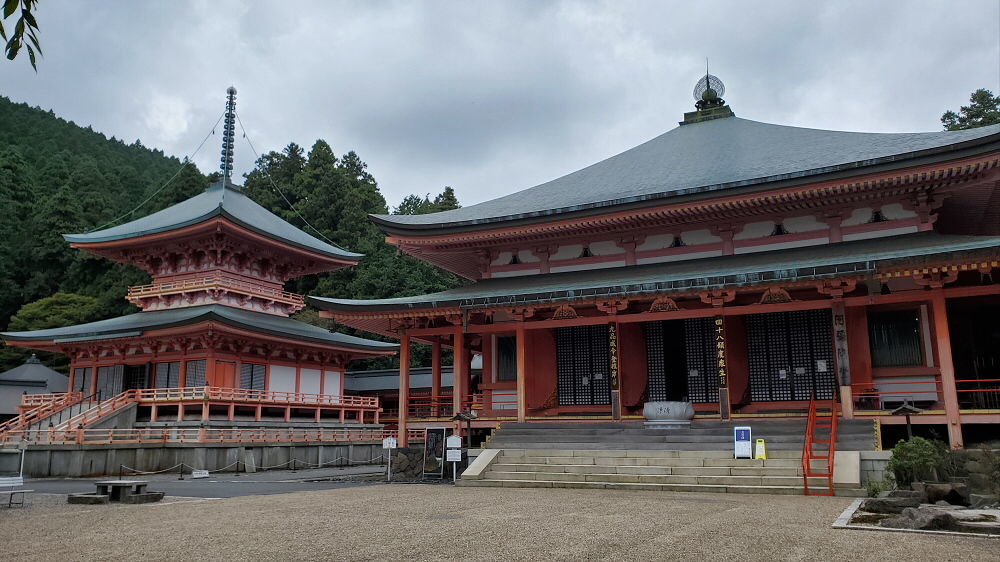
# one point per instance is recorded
(652, 159)
(136, 324)
(237, 208)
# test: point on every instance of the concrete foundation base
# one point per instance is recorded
(74, 461)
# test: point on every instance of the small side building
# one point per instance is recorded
(30, 378)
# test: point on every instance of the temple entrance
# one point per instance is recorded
(583, 365)
(791, 356)
(680, 358)
(975, 344)
(135, 376)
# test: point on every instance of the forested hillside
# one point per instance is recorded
(57, 177)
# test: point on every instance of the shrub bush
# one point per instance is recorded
(915, 460)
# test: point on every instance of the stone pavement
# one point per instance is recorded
(417, 522)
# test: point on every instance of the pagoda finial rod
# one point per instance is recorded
(228, 135)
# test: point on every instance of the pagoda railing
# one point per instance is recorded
(214, 281)
(199, 435)
(223, 394)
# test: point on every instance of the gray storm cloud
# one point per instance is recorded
(493, 97)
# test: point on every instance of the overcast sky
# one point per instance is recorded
(493, 97)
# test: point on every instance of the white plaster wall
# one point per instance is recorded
(527, 257)
(503, 258)
(504, 399)
(584, 267)
(860, 215)
(880, 233)
(332, 383)
(803, 224)
(896, 211)
(703, 236)
(606, 248)
(309, 381)
(781, 246)
(568, 252)
(282, 378)
(755, 230)
(680, 257)
(656, 242)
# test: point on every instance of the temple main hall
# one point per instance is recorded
(750, 269)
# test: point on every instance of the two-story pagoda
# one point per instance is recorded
(214, 338)
(742, 266)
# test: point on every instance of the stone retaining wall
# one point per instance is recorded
(72, 461)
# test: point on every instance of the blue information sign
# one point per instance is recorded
(742, 448)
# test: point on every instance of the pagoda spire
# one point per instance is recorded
(228, 134)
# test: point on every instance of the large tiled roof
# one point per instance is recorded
(861, 257)
(696, 158)
(229, 202)
(136, 324)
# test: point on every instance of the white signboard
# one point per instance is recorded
(199, 474)
(389, 443)
(742, 448)
(454, 455)
(454, 442)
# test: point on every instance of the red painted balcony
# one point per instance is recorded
(216, 281)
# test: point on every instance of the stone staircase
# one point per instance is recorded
(628, 456)
(59, 419)
(708, 435)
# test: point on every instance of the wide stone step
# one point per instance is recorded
(650, 461)
(697, 446)
(647, 469)
(642, 453)
(655, 478)
(788, 490)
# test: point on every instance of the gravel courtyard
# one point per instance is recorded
(420, 522)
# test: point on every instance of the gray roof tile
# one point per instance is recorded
(693, 158)
(229, 202)
(136, 324)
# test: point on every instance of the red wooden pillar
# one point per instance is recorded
(404, 387)
(436, 377)
(459, 365)
(521, 375)
(943, 336)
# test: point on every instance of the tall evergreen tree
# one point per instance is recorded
(983, 109)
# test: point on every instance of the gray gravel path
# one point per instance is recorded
(419, 522)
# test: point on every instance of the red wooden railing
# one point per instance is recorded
(809, 454)
(45, 405)
(872, 395)
(979, 393)
(230, 282)
(199, 393)
(199, 435)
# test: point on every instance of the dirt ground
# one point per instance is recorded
(420, 522)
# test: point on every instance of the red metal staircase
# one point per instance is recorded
(819, 448)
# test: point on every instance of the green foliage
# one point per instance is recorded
(336, 196)
(983, 109)
(26, 26)
(58, 178)
(876, 487)
(61, 309)
(915, 460)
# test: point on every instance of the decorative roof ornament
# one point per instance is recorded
(708, 92)
(228, 134)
